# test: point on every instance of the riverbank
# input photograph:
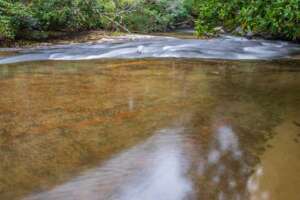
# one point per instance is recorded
(89, 36)
(61, 38)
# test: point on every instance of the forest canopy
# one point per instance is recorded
(36, 18)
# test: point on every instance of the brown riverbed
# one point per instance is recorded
(150, 129)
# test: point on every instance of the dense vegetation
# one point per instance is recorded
(269, 18)
(19, 17)
(35, 19)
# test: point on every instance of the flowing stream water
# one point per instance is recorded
(151, 128)
(141, 46)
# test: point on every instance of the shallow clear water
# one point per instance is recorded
(150, 129)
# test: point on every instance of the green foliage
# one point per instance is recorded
(14, 17)
(67, 14)
(18, 17)
(154, 16)
(149, 15)
(272, 18)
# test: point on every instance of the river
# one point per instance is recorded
(161, 125)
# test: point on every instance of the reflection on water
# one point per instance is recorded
(155, 169)
(253, 186)
(159, 169)
(225, 169)
(149, 129)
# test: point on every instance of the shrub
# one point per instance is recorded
(149, 15)
(14, 17)
(19, 17)
(271, 18)
(69, 15)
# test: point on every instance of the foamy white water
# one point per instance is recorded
(140, 46)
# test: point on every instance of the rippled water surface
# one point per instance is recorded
(150, 130)
(145, 46)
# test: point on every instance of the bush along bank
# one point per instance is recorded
(41, 19)
(37, 19)
(273, 19)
